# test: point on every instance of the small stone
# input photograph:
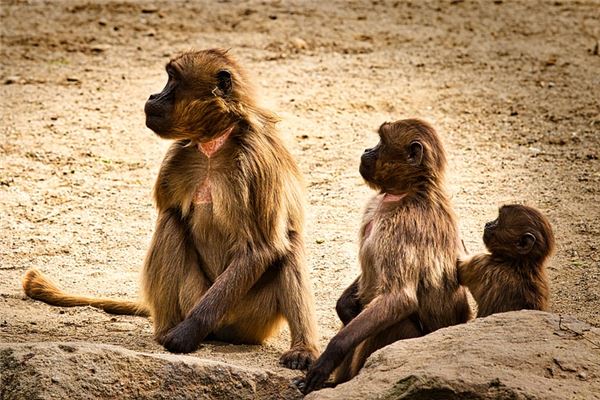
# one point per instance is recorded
(320, 241)
(73, 79)
(100, 48)
(102, 22)
(55, 379)
(9, 80)
(299, 44)
(6, 182)
(582, 375)
(149, 9)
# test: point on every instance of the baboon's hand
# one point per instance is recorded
(316, 376)
(185, 337)
(299, 382)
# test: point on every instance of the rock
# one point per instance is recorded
(149, 9)
(9, 80)
(100, 48)
(517, 355)
(89, 371)
(299, 44)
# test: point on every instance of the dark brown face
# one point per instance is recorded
(159, 107)
(519, 232)
(194, 99)
(402, 158)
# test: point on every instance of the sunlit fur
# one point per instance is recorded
(507, 278)
(233, 269)
(200, 113)
(408, 249)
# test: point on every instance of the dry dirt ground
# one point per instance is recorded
(512, 86)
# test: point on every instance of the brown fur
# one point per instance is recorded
(37, 286)
(233, 269)
(512, 276)
(408, 249)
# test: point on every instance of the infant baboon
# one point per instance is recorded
(513, 275)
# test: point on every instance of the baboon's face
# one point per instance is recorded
(194, 100)
(518, 232)
(159, 107)
(392, 164)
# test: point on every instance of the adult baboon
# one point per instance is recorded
(227, 256)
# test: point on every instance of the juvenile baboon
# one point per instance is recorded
(512, 276)
(409, 244)
(227, 256)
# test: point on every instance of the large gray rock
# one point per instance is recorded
(92, 371)
(517, 355)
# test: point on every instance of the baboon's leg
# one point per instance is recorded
(406, 329)
(348, 305)
(296, 304)
(171, 279)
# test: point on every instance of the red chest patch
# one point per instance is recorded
(203, 194)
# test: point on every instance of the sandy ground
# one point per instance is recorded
(512, 86)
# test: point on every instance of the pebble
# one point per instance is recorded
(9, 80)
(100, 48)
(298, 43)
(150, 9)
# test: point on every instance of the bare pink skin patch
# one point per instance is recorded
(203, 191)
(387, 198)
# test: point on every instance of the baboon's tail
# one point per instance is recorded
(38, 287)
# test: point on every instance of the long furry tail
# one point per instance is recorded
(38, 287)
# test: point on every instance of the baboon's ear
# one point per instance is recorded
(525, 243)
(224, 82)
(415, 153)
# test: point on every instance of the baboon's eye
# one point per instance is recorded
(171, 72)
(491, 224)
